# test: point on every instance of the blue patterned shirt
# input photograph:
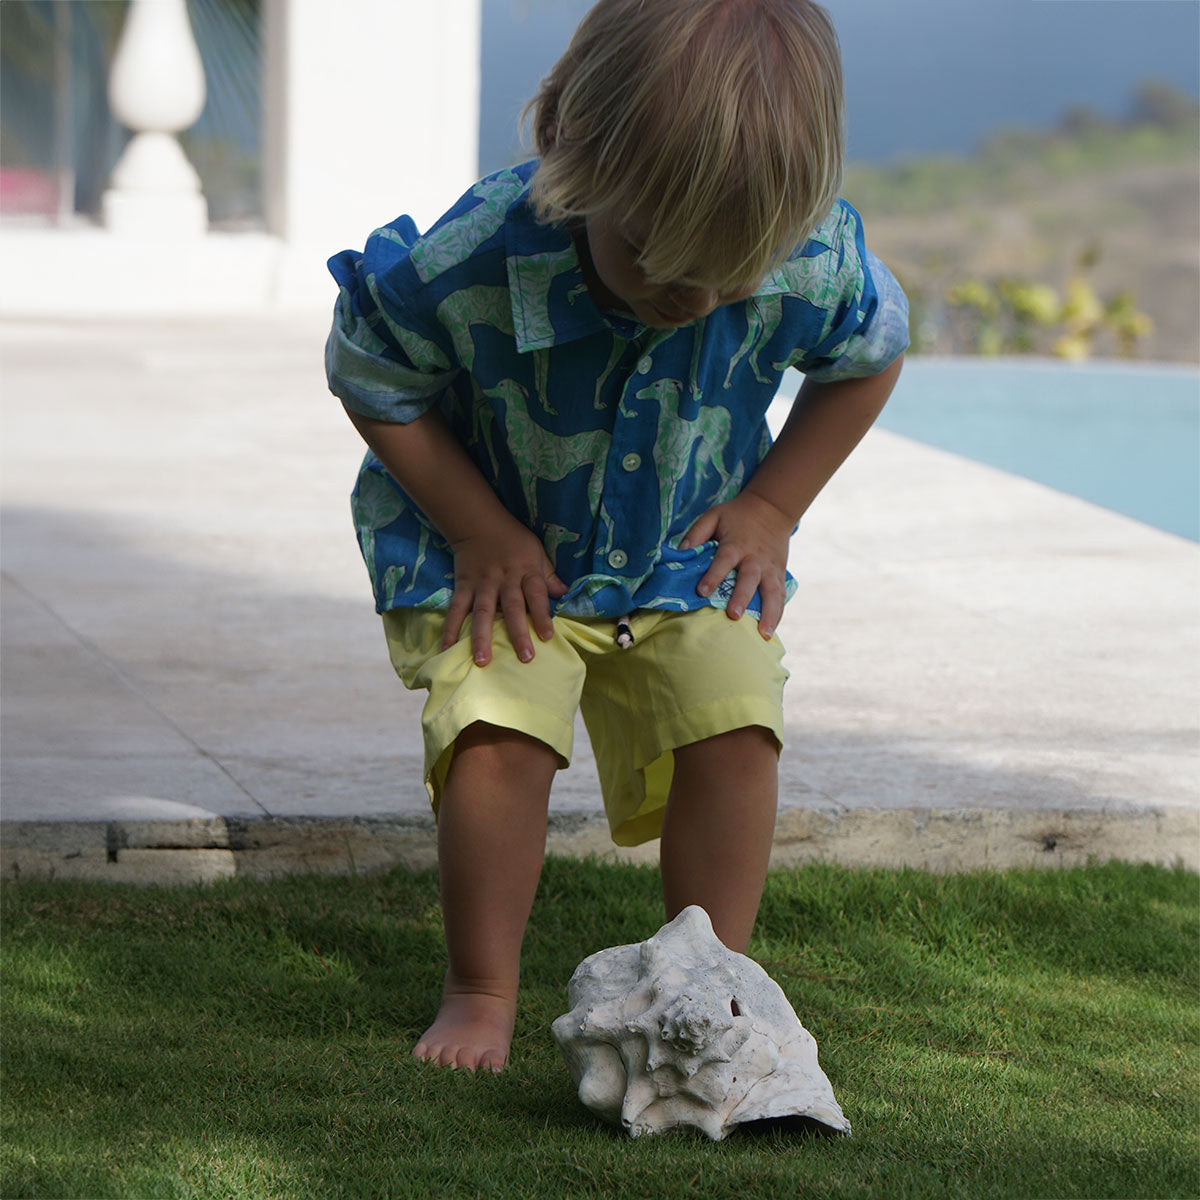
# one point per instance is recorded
(604, 436)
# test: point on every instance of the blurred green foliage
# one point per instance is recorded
(1011, 315)
(998, 251)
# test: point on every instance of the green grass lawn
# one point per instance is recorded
(1018, 1034)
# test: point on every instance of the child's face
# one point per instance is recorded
(614, 247)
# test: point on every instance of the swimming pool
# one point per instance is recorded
(1124, 436)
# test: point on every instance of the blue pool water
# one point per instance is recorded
(1126, 437)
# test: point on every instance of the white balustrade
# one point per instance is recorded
(371, 108)
(156, 88)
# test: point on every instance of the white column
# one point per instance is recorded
(371, 110)
(156, 88)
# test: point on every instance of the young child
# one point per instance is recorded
(563, 385)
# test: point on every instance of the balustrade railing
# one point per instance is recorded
(156, 88)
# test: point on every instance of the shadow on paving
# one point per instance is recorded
(144, 683)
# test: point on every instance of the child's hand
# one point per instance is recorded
(753, 537)
(505, 568)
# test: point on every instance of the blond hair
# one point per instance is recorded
(718, 123)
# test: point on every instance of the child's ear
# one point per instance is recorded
(552, 133)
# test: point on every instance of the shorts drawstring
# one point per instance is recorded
(624, 632)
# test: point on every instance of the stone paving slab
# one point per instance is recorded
(204, 848)
(193, 683)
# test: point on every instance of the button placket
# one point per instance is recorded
(630, 461)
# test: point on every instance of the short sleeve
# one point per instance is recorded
(378, 360)
(866, 325)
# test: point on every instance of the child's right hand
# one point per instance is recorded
(503, 567)
(498, 562)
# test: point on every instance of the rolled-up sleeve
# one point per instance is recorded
(868, 327)
(377, 362)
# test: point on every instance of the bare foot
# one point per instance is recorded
(471, 1030)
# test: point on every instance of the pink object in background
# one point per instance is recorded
(28, 191)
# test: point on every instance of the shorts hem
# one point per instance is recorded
(444, 729)
(644, 824)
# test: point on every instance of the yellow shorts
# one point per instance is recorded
(688, 676)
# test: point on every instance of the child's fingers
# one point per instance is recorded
(702, 530)
(456, 614)
(744, 587)
(523, 603)
(516, 618)
(520, 601)
(725, 560)
(483, 617)
(772, 593)
(537, 598)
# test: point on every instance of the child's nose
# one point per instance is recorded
(695, 301)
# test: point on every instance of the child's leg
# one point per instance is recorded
(491, 840)
(717, 830)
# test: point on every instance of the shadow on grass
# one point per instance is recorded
(252, 1039)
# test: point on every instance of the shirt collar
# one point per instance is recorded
(550, 300)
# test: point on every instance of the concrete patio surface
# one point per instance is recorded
(195, 685)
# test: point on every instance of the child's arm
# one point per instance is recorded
(754, 528)
(499, 564)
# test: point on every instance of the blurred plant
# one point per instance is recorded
(980, 301)
(1127, 322)
(1012, 315)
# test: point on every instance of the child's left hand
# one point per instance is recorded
(752, 536)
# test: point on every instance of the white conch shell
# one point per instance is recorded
(681, 1030)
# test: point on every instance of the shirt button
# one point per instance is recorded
(617, 559)
(631, 462)
(644, 365)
